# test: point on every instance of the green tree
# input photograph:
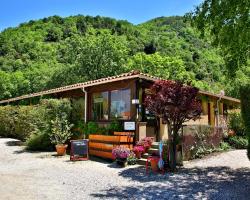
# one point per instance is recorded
(161, 66)
(54, 34)
(73, 53)
(228, 22)
(91, 58)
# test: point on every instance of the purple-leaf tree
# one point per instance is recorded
(176, 103)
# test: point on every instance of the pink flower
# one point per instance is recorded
(139, 149)
(145, 142)
(120, 152)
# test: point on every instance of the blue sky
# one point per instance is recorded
(14, 12)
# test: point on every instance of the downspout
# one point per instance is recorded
(218, 111)
(86, 103)
(222, 93)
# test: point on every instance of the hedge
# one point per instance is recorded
(32, 123)
(245, 110)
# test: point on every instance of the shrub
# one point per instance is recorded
(224, 146)
(202, 151)
(60, 131)
(91, 128)
(19, 122)
(114, 126)
(78, 113)
(236, 123)
(245, 110)
(7, 121)
(25, 122)
(39, 142)
(201, 145)
(56, 107)
(238, 142)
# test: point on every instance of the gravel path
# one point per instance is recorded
(25, 175)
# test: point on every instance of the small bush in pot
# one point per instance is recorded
(60, 133)
(121, 154)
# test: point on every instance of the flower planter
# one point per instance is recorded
(61, 149)
(123, 162)
(138, 154)
(146, 148)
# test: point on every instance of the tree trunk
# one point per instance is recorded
(172, 160)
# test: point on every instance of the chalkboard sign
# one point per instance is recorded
(79, 150)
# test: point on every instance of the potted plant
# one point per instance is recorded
(145, 142)
(121, 154)
(138, 150)
(148, 140)
(132, 160)
(60, 133)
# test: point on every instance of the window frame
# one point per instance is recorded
(109, 105)
(92, 105)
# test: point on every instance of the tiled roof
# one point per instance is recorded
(124, 76)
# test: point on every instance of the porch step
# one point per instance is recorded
(153, 151)
(155, 145)
(145, 155)
(142, 161)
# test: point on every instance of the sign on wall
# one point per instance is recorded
(135, 101)
(129, 126)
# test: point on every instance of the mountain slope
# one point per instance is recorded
(57, 51)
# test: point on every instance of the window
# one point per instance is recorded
(100, 106)
(120, 104)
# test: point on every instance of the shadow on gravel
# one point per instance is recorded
(192, 183)
(14, 143)
(24, 150)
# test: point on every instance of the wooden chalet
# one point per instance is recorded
(121, 98)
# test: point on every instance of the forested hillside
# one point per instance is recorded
(56, 51)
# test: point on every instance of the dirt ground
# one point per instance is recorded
(37, 176)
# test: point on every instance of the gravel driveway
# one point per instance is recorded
(25, 175)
